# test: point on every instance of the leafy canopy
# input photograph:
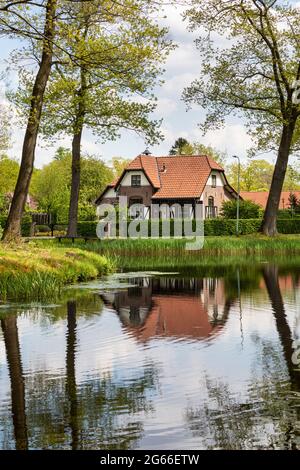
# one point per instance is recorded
(250, 53)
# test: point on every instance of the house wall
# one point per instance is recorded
(219, 193)
(144, 192)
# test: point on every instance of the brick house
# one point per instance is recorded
(171, 182)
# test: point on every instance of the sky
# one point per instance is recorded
(182, 67)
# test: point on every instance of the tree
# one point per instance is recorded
(293, 202)
(292, 179)
(119, 49)
(253, 75)
(9, 169)
(179, 147)
(13, 224)
(255, 175)
(183, 147)
(119, 164)
(51, 185)
(4, 130)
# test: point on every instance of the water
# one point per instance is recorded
(155, 361)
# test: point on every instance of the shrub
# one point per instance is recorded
(42, 229)
(248, 210)
(1, 232)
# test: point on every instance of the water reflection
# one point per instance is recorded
(170, 362)
(172, 307)
(13, 354)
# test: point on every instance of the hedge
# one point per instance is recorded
(212, 227)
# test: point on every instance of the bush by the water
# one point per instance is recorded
(248, 210)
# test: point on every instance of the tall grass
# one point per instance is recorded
(253, 244)
(218, 252)
(41, 272)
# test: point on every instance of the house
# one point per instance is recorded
(261, 198)
(171, 182)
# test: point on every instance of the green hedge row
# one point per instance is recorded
(212, 227)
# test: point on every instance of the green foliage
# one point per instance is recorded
(248, 209)
(260, 42)
(9, 170)
(255, 175)
(5, 131)
(119, 164)
(179, 147)
(1, 231)
(212, 227)
(223, 227)
(51, 185)
(183, 147)
(119, 48)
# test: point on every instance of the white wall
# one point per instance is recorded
(110, 192)
(126, 180)
(220, 179)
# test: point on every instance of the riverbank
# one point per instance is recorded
(32, 271)
(218, 253)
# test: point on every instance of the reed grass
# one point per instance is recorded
(219, 253)
(36, 272)
(247, 244)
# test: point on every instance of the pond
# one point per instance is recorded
(147, 360)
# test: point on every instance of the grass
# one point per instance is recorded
(41, 268)
(247, 244)
(218, 252)
(29, 271)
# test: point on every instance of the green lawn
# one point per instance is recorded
(32, 271)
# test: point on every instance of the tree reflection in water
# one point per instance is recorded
(66, 407)
(101, 413)
(13, 354)
(228, 422)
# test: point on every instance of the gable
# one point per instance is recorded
(126, 178)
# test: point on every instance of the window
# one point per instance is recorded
(136, 180)
(136, 209)
(214, 181)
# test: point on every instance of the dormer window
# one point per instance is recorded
(214, 181)
(136, 181)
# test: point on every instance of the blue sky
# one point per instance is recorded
(182, 67)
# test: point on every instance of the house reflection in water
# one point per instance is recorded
(172, 307)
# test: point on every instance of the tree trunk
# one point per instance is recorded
(270, 274)
(269, 224)
(75, 184)
(76, 157)
(11, 340)
(71, 373)
(12, 229)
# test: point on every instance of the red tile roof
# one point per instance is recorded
(175, 176)
(148, 164)
(261, 197)
(184, 176)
